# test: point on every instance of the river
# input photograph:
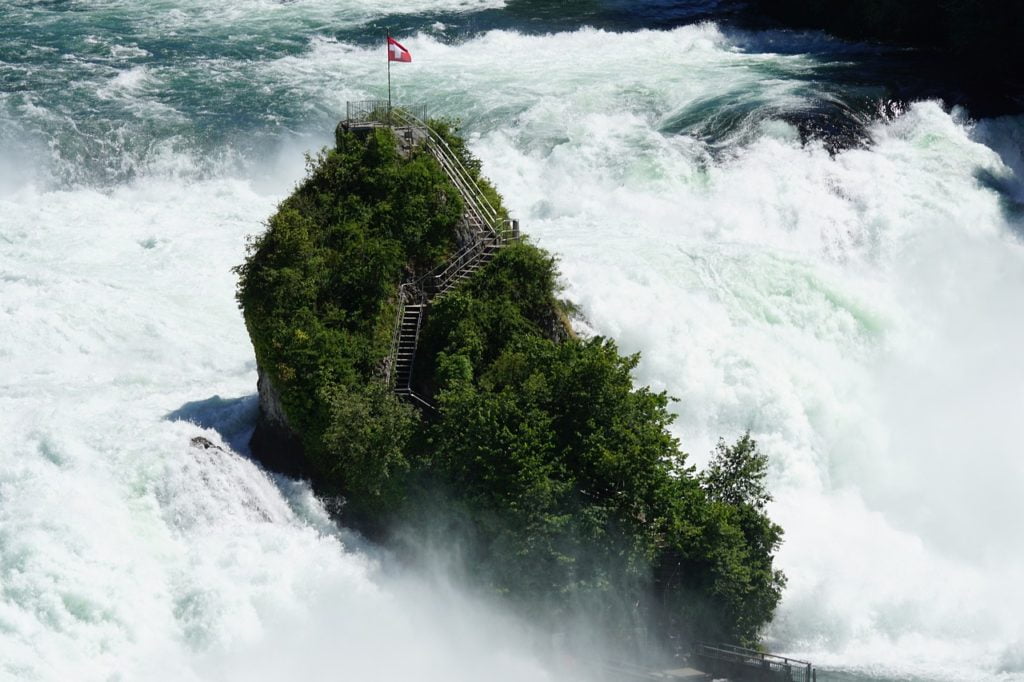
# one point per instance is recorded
(795, 246)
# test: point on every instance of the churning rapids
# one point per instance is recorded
(859, 306)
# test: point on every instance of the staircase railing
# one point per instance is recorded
(487, 225)
(733, 661)
(476, 201)
(407, 294)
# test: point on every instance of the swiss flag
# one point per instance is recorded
(397, 53)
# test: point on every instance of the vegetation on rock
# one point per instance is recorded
(558, 475)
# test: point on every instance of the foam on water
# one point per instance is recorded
(859, 313)
(124, 552)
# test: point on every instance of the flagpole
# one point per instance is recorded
(387, 53)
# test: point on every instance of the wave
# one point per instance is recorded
(124, 550)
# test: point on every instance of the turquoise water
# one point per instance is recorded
(794, 249)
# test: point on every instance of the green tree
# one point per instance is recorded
(735, 475)
(743, 577)
(365, 442)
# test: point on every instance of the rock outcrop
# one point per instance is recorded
(274, 442)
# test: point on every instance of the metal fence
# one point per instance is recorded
(380, 111)
(748, 664)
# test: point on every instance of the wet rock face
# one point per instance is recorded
(556, 327)
(274, 443)
(271, 410)
(205, 444)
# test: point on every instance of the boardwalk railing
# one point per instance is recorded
(747, 664)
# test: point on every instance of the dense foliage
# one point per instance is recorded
(318, 294)
(556, 474)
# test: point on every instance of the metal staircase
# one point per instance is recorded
(489, 231)
(403, 354)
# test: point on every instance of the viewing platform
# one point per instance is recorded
(737, 663)
(719, 662)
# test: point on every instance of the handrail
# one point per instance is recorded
(458, 173)
(485, 223)
(750, 658)
(396, 335)
(752, 653)
(407, 293)
(440, 276)
(375, 110)
(471, 194)
(478, 204)
(450, 153)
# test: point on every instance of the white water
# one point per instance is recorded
(861, 314)
(127, 554)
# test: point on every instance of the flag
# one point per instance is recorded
(397, 53)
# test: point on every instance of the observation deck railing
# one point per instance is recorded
(725, 660)
(379, 111)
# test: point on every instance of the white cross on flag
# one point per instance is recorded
(397, 53)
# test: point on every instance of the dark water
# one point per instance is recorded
(207, 90)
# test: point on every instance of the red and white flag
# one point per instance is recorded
(397, 53)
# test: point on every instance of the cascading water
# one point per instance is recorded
(858, 311)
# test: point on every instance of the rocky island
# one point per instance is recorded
(532, 449)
